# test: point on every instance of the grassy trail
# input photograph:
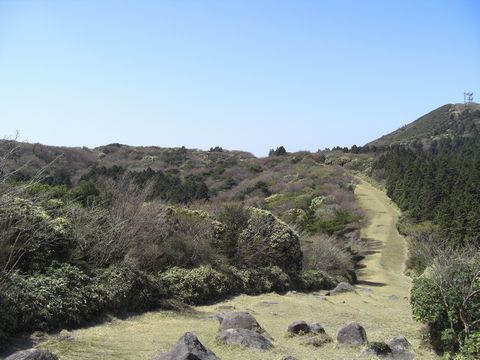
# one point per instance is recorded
(380, 304)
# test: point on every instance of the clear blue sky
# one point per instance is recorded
(239, 74)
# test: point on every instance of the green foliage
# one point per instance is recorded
(195, 286)
(171, 187)
(442, 185)
(122, 288)
(40, 236)
(234, 218)
(258, 281)
(314, 280)
(448, 300)
(279, 151)
(311, 223)
(425, 298)
(85, 193)
(115, 172)
(60, 297)
(267, 241)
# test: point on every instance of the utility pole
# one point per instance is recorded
(467, 97)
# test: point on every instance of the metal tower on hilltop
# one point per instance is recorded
(467, 97)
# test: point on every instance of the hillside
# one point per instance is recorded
(448, 121)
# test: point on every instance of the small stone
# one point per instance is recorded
(298, 328)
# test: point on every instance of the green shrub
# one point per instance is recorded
(34, 236)
(123, 288)
(258, 281)
(234, 218)
(195, 286)
(314, 280)
(60, 297)
(8, 323)
(448, 300)
(267, 241)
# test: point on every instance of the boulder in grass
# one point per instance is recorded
(342, 287)
(245, 338)
(379, 349)
(298, 328)
(188, 347)
(401, 348)
(32, 354)
(352, 334)
(239, 320)
(316, 328)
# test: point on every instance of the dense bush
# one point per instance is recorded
(324, 253)
(234, 218)
(31, 237)
(314, 280)
(60, 297)
(120, 289)
(258, 281)
(267, 241)
(195, 286)
(447, 298)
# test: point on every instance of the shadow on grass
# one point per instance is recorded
(370, 283)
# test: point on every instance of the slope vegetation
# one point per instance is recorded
(451, 120)
(380, 304)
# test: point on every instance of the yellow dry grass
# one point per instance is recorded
(380, 304)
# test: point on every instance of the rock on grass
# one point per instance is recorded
(245, 338)
(188, 347)
(352, 334)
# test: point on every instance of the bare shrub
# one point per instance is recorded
(106, 232)
(323, 253)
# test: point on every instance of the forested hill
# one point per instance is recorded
(441, 185)
(431, 169)
(448, 121)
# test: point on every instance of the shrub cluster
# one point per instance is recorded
(66, 296)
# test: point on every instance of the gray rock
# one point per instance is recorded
(379, 349)
(244, 337)
(289, 358)
(401, 348)
(298, 327)
(188, 347)
(316, 328)
(239, 320)
(352, 334)
(341, 288)
(32, 354)
(65, 335)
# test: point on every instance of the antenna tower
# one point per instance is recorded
(467, 97)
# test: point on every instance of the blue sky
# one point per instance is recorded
(244, 74)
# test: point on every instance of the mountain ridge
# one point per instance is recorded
(447, 121)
